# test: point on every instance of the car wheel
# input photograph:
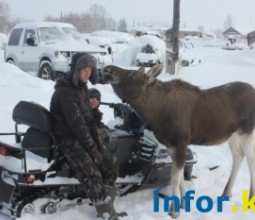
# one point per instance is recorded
(46, 71)
(11, 61)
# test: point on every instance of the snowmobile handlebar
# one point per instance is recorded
(13, 133)
(110, 104)
(120, 109)
(17, 135)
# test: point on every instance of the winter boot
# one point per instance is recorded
(107, 210)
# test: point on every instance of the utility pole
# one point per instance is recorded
(172, 39)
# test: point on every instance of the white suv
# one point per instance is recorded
(46, 48)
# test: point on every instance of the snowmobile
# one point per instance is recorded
(36, 178)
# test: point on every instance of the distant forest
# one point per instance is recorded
(96, 18)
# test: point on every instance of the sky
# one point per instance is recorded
(218, 66)
(208, 13)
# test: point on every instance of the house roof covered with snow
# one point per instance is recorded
(238, 30)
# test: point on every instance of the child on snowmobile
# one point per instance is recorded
(94, 102)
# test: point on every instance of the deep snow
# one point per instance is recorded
(218, 66)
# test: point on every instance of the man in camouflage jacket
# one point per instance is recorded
(77, 134)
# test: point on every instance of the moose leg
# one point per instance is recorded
(237, 155)
(249, 151)
(177, 182)
(251, 164)
(183, 189)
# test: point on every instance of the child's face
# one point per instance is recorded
(94, 102)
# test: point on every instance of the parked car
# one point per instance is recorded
(152, 50)
(119, 41)
(45, 48)
(147, 57)
(99, 41)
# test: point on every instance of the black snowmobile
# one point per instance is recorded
(36, 178)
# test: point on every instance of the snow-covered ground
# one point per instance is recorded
(217, 67)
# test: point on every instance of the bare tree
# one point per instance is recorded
(201, 28)
(7, 22)
(173, 40)
(175, 30)
(218, 33)
(228, 22)
(98, 15)
(95, 19)
(100, 19)
(122, 25)
(4, 17)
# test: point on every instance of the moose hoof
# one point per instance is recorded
(224, 194)
(174, 214)
(182, 204)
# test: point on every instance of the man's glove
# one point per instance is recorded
(96, 155)
(105, 135)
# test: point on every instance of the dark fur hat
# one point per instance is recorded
(80, 61)
(94, 93)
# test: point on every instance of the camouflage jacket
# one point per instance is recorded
(72, 114)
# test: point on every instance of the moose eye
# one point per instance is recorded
(108, 70)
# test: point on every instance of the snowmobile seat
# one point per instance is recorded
(38, 142)
(33, 115)
(39, 137)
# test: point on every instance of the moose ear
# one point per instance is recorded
(154, 72)
(141, 69)
(106, 69)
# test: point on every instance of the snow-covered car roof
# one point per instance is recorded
(97, 40)
(43, 24)
(116, 36)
